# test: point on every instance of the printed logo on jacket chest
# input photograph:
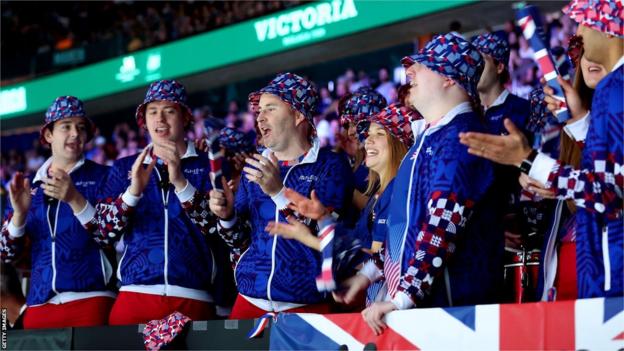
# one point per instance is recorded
(308, 178)
(194, 171)
(85, 183)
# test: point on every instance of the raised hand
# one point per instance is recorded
(509, 149)
(311, 208)
(294, 230)
(139, 174)
(61, 187)
(20, 197)
(266, 173)
(221, 203)
(573, 100)
(168, 152)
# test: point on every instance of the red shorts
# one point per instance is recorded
(243, 309)
(87, 312)
(134, 308)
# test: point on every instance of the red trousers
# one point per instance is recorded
(135, 308)
(88, 312)
(243, 309)
(565, 282)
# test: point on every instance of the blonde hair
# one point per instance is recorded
(377, 183)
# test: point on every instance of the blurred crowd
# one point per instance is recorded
(131, 25)
(126, 138)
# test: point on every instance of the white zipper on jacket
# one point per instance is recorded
(275, 243)
(409, 198)
(53, 236)
(550, 255)
(605, 257)
(120, 262)
(165, 198)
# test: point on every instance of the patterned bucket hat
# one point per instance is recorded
(493, 45)
(164, 90)
(365, 102)
(606, 16)
(236, 141)
(453, 57)
(65, 107)
(396, 119)
(296, 91)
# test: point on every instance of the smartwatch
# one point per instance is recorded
(526, 164)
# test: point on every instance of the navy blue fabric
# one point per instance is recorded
(603, 142)
(189, 255)
(78, 258)
(444, 165)
(296, 266)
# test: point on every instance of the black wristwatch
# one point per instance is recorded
(526, 164)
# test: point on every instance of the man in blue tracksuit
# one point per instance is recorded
(442, 246)
(597, 186)
(273, 274)
(70, 271)
(156, 203)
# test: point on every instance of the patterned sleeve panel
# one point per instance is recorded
(113, 218)
(198, 210)
(599, 185)
(456, 182)
(112, 213)
(10, 247)
(435, 242)
(598, 190)
(237, 232)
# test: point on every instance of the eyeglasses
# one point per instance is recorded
(575, 49)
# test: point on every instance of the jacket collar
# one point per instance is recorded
(310, 156)
(190, 152)
(42, 172)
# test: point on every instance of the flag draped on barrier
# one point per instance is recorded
(582, 324)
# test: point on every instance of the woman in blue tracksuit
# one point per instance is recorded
(70, 271)
(388, 137)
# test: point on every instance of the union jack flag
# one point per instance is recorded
(590, 324)
(528, 20)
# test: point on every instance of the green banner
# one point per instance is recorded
(297, 27)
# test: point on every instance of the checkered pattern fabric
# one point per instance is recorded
(434, 244)
(363, 103)
(235, 141)
(199, 212)
(65, 107)
(606, 16)
(9, 247)
(493, 45)
(296, 91)
(114, 217)
(453, 57)
(164, 90)
(396, 119)
(598, 191)
(160, 333)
